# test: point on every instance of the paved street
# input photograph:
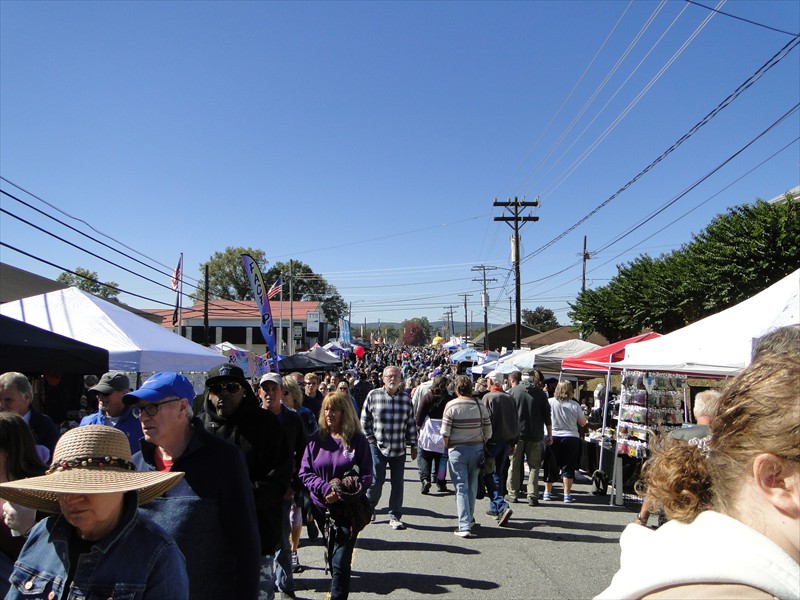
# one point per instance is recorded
(555, 550)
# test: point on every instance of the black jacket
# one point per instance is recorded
(269, 460)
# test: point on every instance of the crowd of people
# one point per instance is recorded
(214, 490)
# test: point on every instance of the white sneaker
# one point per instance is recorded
(396, 524)
(464, 533)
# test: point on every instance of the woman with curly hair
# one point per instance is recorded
(733, 499)
(336, 452)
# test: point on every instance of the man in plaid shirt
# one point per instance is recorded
(388, 422)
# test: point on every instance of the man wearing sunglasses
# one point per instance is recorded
(233, 412)
(211, 513)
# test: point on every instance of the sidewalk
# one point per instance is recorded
(555, 550)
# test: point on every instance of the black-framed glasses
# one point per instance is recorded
(151, 409)
(231, 388)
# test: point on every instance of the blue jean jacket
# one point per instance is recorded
(137, 560)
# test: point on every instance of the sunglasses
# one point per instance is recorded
(231, 388)
(150, 409)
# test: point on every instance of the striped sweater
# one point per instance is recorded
(465, 422)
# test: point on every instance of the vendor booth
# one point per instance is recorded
(29, 349)
(134, 344)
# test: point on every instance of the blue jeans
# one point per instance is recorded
(427, 460)
(494, 480)
(282, 574)
(397, 465)
(463, 461)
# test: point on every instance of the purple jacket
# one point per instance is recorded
(326, 459)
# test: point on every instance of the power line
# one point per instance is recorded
(774, 60)
(742, 19)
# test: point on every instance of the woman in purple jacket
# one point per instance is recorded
(337, 471)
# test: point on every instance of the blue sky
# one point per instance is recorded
(369, 140)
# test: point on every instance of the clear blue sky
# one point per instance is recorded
(370, 139)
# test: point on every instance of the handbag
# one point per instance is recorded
(486, 460)
(430, 437)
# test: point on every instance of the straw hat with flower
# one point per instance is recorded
(93, 459)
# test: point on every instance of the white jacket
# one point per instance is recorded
(714, 548)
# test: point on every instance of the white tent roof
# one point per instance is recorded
(720, 344)
(322, 355)
(134, 344)
(548, 358)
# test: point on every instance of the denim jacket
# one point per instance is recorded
(137, 560)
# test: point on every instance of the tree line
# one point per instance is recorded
(739, 254)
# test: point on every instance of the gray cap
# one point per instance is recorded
(273, 377)
(113, 382)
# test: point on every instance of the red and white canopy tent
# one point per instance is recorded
(588, 363)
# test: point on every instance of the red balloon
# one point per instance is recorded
(358, 351)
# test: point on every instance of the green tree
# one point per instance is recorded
(540, 318)
(739, 254)
(87, 280)
(227, 280)
(309, 286)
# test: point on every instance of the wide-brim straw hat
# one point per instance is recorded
(93, 459)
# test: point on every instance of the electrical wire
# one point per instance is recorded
(773, 60)
(742, 18)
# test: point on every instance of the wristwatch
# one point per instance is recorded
(641, 520)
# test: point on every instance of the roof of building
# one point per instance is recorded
(524, 330)
(561, 334)
(245, 310)
(18, 284)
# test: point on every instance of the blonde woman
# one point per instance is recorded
(567, 415)
(337, 450)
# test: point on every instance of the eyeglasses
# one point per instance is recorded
(231, 388)
(150, 409)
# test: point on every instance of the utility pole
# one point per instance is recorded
(466, 326)
(515, 207)
(586, 256)
(485, 303)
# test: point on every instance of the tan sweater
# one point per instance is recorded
(465, 422)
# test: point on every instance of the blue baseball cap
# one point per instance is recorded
(161, 386)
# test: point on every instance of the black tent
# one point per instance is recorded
(303, 363)
(29, 349)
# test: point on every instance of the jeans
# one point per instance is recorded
(282, 574)
(427, 460)
(532, 451)
(341, 557)
(463, 461)
(493, 481)
(397, 465)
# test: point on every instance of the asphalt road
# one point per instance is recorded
(555, 550)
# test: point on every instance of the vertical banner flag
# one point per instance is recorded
(267, 326)
(344, 330)
(176, 280)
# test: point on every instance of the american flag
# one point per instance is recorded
(275, 289)
(176, 275)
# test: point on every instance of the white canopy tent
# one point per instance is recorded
(719, 345)
(319, 353)
(134, 344)
(548, 358)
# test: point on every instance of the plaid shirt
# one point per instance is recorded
(388, 422)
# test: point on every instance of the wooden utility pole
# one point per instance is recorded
(485, 303)
(466, 325)
(586, 256)
(515, 207)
